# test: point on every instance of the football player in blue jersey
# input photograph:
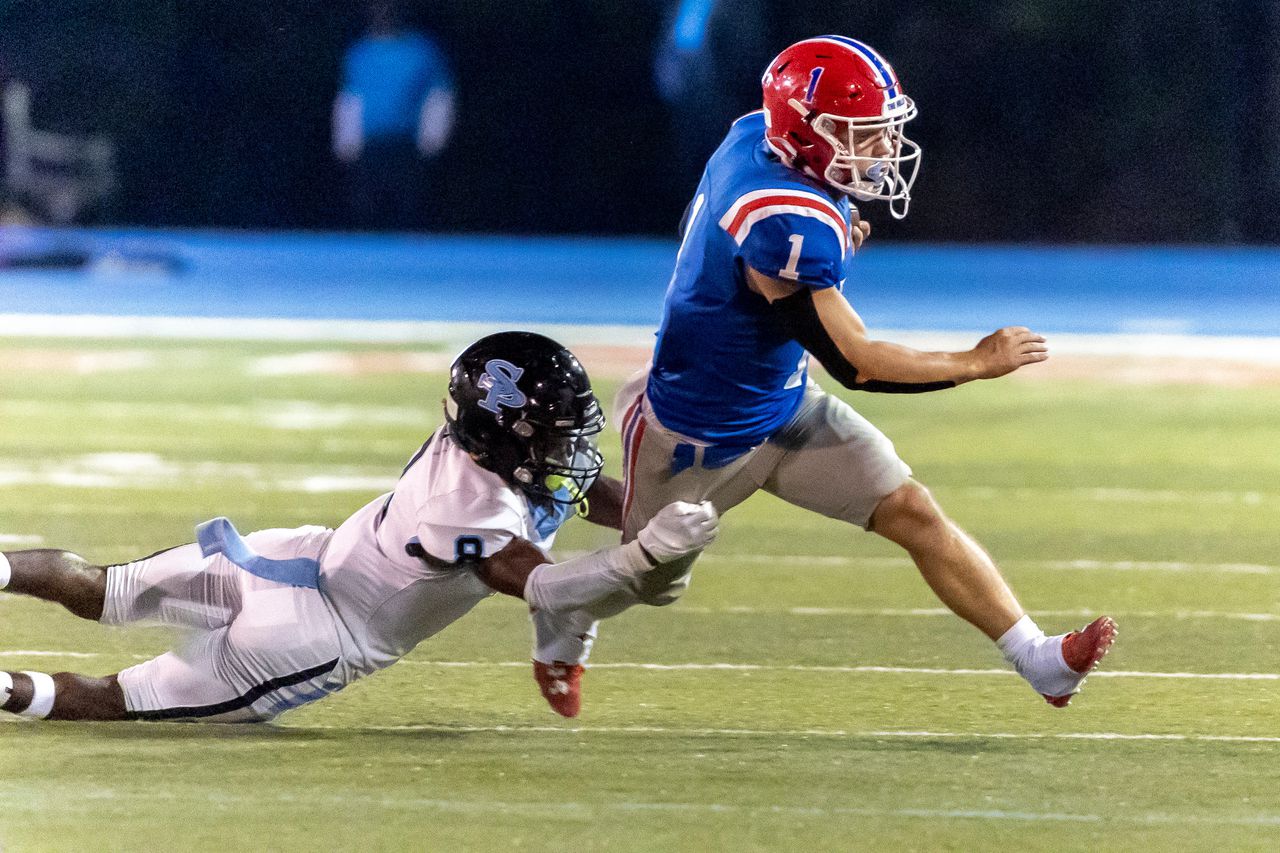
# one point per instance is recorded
(728, 406)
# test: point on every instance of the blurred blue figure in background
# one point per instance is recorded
(394, 112)
(707, 64)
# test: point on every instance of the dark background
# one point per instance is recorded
(1089, 121)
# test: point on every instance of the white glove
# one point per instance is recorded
(679, 529)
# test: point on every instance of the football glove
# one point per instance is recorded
(679, 529)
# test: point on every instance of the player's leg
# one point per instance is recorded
(562, 643)
(199, 585)
(62, 696)
(280, 649)
(57, 576)
(177, 586)
(956, 567)
(243, 673)
(965, 579)
(169, 586)
(840, 465)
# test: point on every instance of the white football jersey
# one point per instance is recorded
(388, 570)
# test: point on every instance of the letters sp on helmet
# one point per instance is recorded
(821, 96)
(523, 407)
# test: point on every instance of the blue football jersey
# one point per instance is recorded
(723, 371)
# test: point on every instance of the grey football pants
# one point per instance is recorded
(828, 459)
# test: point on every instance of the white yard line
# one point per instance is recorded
(270, 414)
(591, 811)
(151, 471)
(926, 612)
(899, 612)
(758, 667)
(1117, 494)
(33, 653)
(865, 669)
(802, 560)
(837, 734)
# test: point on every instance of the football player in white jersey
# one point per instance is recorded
(286, 617)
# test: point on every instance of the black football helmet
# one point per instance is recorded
(523, 407)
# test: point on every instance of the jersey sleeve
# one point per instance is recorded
(795, 236)
(463, 525)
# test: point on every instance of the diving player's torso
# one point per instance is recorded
(389, 569)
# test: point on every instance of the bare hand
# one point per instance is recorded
(1006, 350)
(859, 230)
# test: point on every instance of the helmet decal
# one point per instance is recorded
(499, 380)
(541, 438)
(813, 83)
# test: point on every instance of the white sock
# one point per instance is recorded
(6, 573)
(565, 636)
(6, 687)
(1015, 640)
(41, 697)
(576, 583)
(1038, 658)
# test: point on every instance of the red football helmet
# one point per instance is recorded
(833, 108)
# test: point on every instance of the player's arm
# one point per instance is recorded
(825, 324)
(604, 502)
(508, 569)
(522, 570)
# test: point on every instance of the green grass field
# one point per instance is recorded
(806, 694)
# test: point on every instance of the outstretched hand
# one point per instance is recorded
(1007, 349)
(679, 529)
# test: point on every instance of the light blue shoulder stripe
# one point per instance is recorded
(219, 536)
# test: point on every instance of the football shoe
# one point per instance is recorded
(561, 685)
(1081, 651)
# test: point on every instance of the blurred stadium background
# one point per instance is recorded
(1094, 122)
(194, 321)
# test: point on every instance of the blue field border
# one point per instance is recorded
(594, 281)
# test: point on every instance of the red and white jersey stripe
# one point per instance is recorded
(754, 206)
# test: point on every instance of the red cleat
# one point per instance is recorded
(561, 686)
(1082, 650)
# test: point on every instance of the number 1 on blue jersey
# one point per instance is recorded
(791, 270)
